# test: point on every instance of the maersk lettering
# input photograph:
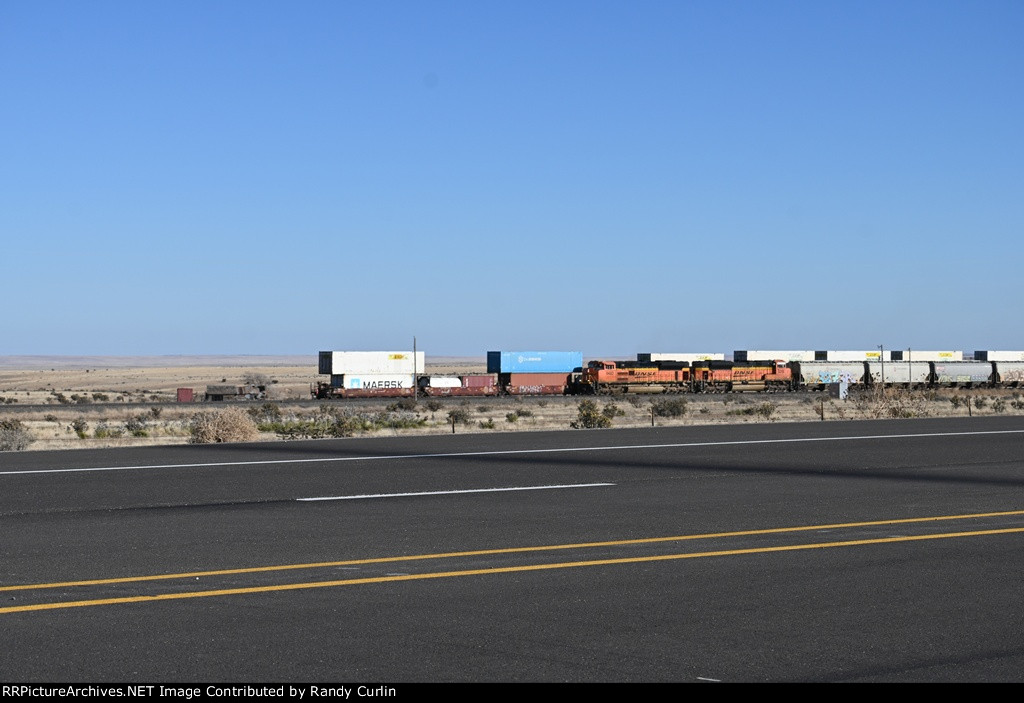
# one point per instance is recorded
(382, 384)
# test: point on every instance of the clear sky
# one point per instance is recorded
(606, 177)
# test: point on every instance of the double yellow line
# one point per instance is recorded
(497, 570)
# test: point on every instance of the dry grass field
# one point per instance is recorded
(77, 403)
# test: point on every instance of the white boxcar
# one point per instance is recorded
(818, 374)
(999, 356)
(963, 373)
(902, 373)
(869, 355)
(1010, 373)
(687, 357)
(371, 363)
(915, 355)
(771, 355)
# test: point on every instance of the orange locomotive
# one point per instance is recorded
(634, 377)
(720, 376)
(605, 377)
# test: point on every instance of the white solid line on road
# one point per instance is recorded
(448, 493)
(510, 452)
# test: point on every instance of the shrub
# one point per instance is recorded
(458, 416)
(105, 431)
(669, 407)
(407, 404)
(433, 405)
(230, 425)
(999, 405)
(612, 411)
(488, 425)
(267, 412)
(81, 428)
(14, 436)
(136, 426)
(512, 417)
(589, 417)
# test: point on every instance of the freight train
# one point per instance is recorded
(396, 374)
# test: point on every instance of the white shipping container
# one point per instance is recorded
(377, 381)
(371, 362)
(772, 355)
(870, 355)
(999, 356)
(444, 382)
(915, 355)
(686, 357)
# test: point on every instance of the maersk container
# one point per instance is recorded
(840, 355)
(818, 374)
(533, 361)
(771, 355)
(371, 386)
(964, 373)
(1010, 373)
(999, 356)
(902, 373)
(376, 363)
(915, 355)
(687, 357)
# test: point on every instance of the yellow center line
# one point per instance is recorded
(508, 550)
(497, 570)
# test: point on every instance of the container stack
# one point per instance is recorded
(367, 374)
(534, 372)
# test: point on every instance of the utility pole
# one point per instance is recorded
(881, 358)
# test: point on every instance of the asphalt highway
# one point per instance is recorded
(888, 551)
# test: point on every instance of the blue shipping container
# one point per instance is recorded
(533, 361)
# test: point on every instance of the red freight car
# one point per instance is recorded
(534, 383)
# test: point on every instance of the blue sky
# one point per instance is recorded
(607, 177)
